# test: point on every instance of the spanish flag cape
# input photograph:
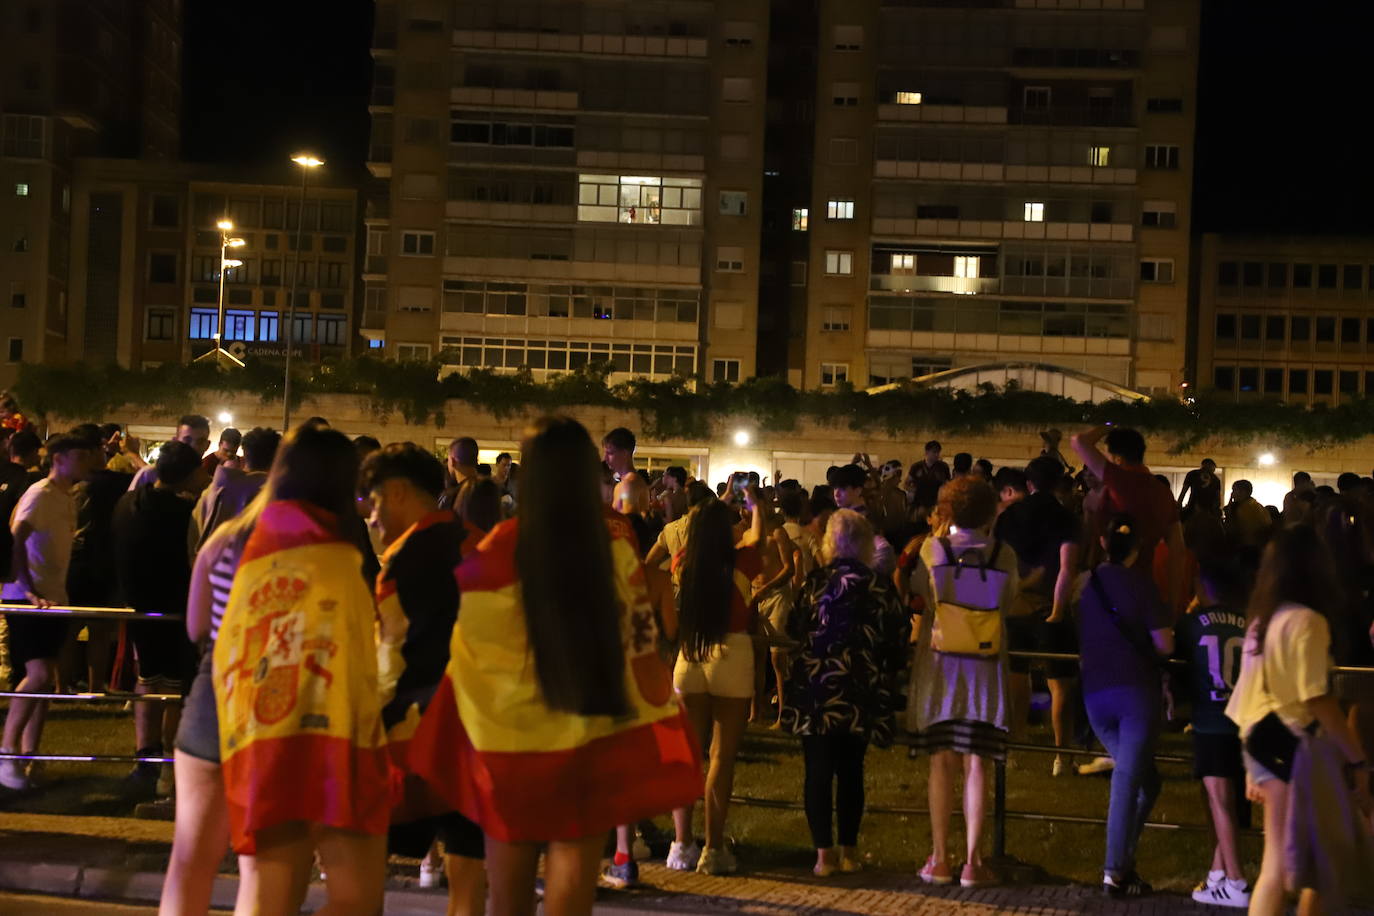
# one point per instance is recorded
(490, 747)
(300, 728)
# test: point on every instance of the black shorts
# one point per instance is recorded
(1034, 633)
(33, 636)
(1217, 755)
(460, 836)
(1021, 638)
(166, 658)
(1060, 636)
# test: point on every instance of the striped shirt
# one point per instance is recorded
(221, 581)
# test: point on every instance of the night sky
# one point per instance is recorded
(1283, 98)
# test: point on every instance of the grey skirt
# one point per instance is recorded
(198, 733)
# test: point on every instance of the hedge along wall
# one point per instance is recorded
(802, 451)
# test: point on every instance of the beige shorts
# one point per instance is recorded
(729, 672)
(775, 606)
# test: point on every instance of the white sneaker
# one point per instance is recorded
(1057, 769)
(1097, 765)
(1227, 892)
(12, 775)
(1214, 877)
(683, 858)
(431, 874)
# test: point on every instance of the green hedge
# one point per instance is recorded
(672, 409)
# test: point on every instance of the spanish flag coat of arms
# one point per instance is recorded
(295, 664)
(492, 749)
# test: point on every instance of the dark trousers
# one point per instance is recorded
(834, 782)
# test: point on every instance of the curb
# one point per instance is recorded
(127, 886)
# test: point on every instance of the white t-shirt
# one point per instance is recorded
(51, 512)
(1297, 661)
(805, 541)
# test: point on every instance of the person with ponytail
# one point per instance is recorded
(1125, 631)
(720, 669)
(555, 720)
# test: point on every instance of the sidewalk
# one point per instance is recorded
(125, 860)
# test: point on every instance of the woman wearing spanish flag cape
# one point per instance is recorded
(556, 719)
(303, 752)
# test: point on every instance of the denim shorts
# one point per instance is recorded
(198, 733)
(1255, 770)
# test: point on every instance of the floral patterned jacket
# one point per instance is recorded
(855, 640)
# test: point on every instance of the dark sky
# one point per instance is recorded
(1282, 101)
(265, 79)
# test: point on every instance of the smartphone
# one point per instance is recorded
(738, 481)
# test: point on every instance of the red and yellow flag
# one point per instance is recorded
(491, 748)
(295, 665)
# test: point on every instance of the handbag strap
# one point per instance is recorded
(1147, 651)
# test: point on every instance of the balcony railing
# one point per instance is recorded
(909, 283)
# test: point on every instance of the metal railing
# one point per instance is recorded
(76, 612)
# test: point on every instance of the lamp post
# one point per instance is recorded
(226, 242)
(306, 162)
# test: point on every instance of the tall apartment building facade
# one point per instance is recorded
(1001, 180)
(145, 274)
(1286, 318)
(80, 78)
(565, 183)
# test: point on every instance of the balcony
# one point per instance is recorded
(1002, 229)
(959, 286)
(485, 97)
(943, 114)
(902, 169)
(628, 45)
(377, 210)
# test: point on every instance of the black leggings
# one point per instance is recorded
(831, 759)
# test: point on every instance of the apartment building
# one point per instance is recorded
(998, 180)
(80, 78)
(561, 182)
(145, 265)
(1286, 318)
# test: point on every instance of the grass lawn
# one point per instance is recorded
(770, 767)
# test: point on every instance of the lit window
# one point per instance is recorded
(839, 263)
(1099, 156)
(908, 98)
(834, 373)
(203, 323)
(839, 209)
(640, 200)
(21, 189)
(903, 263)
(1035, 212)
(375, 343)
(966, 266)
(799, 219)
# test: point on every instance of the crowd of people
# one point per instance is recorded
(479, 665)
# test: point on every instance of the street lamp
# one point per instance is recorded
(306, 162)
(220, 355)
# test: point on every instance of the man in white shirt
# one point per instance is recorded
(44, 526)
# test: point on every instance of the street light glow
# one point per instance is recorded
(236, 243)
(225, 417)
(225, 225)
(232, 262)
(307, 160)
(1267, 460)
(741, 437)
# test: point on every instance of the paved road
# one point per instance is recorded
(35, 905)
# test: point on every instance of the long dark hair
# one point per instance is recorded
(567, 584)
(708, 578)
(1296, 568)
(1123, 537)
(317, 465)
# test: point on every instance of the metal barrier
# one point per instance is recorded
(90, 613)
